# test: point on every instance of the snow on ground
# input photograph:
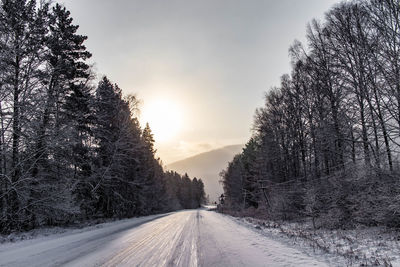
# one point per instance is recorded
(210, 207)
(54, 250)
(224, 242)
(43, 232)
(365, 246)
(185, 238)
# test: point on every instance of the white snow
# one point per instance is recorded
(362, 246)
(185, 238)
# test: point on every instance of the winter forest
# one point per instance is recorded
(314, 182)
(326, 144)
(71, 150)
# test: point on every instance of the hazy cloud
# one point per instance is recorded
(216, 58)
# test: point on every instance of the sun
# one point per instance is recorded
(164, 117)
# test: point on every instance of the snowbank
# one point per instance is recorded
(364, 246)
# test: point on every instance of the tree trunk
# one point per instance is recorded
(15, 166)
(367, 157)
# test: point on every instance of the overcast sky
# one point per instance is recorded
(212, 59)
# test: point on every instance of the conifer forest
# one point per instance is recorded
(71, 150)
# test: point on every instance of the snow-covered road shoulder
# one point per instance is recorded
(229, 243)
(365, 246)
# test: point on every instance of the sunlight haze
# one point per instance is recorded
(165, 118)
(212, 61)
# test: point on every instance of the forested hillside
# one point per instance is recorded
(326, 143)
(208, 165)
(71, 150)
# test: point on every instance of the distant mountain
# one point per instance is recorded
(207, 166)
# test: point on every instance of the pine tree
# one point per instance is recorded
(68, 152)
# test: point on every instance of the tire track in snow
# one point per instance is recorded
(187, 238)
(171, 242)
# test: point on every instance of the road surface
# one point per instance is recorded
(185, 238)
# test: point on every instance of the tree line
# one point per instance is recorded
(326, 143)
(71, 150)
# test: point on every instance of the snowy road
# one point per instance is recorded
(186, 238)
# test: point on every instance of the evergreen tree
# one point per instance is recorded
(68, 152)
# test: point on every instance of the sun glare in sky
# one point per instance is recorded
(208, 61)
(164, 117)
